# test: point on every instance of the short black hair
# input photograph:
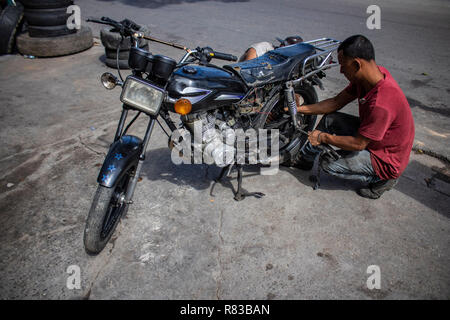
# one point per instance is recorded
(357, 46)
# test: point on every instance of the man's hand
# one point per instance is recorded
(314, 138)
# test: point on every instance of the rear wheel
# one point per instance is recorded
(106, 210)
(273, 116)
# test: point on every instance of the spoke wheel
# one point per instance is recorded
(107, 208)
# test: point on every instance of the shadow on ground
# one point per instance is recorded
(154, 4)
(415, 189)
(201, 177)
(198, 176)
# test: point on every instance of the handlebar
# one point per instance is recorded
(125, 27)
(128, 27)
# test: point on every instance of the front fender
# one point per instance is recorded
(122, 155)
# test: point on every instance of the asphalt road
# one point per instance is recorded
(177, 241)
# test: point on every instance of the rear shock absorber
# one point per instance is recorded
(289, 95)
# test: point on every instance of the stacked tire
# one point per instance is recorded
(47, 18)
(112, 40)
(48, 34)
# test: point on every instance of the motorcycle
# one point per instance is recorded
(212, 103)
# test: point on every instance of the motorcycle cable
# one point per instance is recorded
(162, 128)
(131, 122)
(117, 58)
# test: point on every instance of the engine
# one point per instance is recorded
(211, 136)
(208, 138)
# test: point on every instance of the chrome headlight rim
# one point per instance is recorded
(151, 108)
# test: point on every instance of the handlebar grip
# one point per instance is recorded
(223, 56)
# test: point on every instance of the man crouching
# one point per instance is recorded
(377, 144)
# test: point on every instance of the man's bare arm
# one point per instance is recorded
(328, 105)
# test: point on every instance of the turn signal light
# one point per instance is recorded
(109, 81)
(183, 106)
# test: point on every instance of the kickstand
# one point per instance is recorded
(241, 193)
(316, 178)
(317, 184)
(226, 169)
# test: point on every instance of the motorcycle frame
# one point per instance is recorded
(319, 61)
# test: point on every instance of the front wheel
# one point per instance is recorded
(108, 206)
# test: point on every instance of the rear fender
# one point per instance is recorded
(122, 155)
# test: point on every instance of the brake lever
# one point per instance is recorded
(97, 21)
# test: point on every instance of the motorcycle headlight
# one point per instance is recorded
(141, 95)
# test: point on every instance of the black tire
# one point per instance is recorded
(56, 46)
(274, 107)
(111, 39)
(10, 22)
(112, 63)
(47, 17)
(46, 4)
(49, 31)
(123, 54)
(104, 215)
(112, 54)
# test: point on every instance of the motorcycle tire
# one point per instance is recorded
(274, 107)
(111, 39)
(123, 54)
(46, 17)
(46, 4)
(105, 214)
(56, 46)
(10, 23)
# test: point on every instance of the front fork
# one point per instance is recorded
(123, 154)
(135, 178)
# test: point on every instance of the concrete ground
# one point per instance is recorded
(177, 241)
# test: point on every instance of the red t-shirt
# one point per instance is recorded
(386, 119)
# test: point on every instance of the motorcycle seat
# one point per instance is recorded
(273, 66)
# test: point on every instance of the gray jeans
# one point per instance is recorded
(354, 165)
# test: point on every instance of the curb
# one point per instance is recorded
(431, 153)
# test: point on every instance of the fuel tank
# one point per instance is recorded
(206, 87)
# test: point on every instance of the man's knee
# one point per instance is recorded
(326, 121)
(329, 166)
(339, 123)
